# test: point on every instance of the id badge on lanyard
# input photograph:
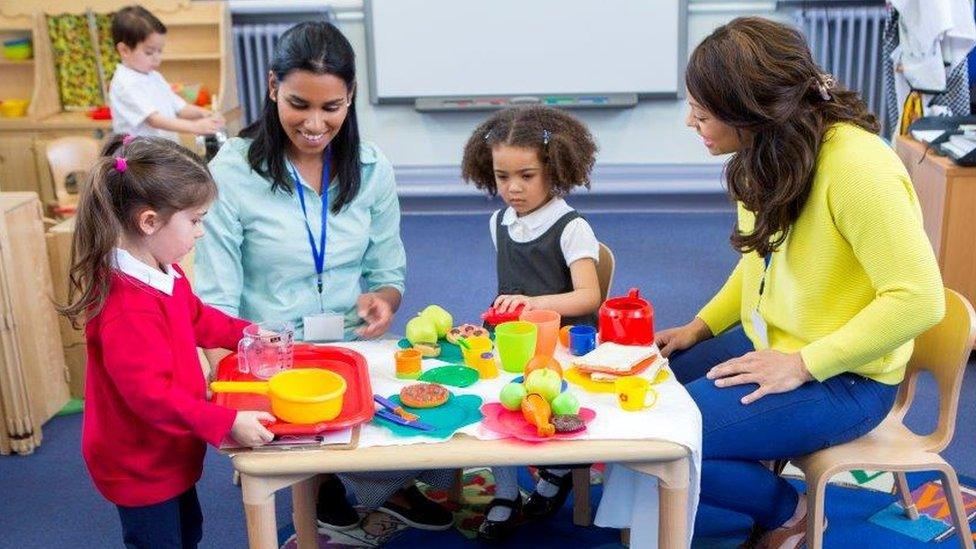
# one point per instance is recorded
(324, 326)
(758, 322)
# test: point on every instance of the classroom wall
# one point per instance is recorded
(646, 148)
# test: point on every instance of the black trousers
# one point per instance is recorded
(176, 523)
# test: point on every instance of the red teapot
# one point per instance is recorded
(627, 320)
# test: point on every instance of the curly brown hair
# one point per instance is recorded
(758, 76)
(565, 147)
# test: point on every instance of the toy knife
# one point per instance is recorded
(393, 407)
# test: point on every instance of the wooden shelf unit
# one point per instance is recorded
(198, 50)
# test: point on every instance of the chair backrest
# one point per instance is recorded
(944, 351)
(604, 271)
(70, 154)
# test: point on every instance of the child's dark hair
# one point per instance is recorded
(565, 147)
(133, 24)
(320, 48)
(132, 175)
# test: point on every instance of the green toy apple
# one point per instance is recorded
(421, 329)
(512, 395)
(565, 404)
(442, 319)
(545, 382)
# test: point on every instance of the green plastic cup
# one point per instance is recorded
(515, 342)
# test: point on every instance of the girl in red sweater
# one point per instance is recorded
(147, 417)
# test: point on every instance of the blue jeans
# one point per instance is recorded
(176, 523)
(735, 437)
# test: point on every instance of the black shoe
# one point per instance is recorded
(422, 513)
(333, 509)
(499, 530)
(539, 506)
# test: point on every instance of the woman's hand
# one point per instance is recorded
(682, 337)
(249, 430)
(507, 303)
(773, 371)
(377, 312)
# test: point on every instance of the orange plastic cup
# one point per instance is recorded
(547, 323)
(407, 363)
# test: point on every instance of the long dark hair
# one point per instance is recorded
(317, 47)
(758, 76)
(158, 175)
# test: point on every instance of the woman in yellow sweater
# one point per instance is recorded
(805, 344)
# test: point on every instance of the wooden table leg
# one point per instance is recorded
(303, 513)
(673, 481)
(259, 507)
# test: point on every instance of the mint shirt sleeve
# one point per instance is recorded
(218, 267)
(878, 214)
(385, 260)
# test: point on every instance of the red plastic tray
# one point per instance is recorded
(357, 404)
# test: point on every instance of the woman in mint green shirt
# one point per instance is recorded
(306, 213)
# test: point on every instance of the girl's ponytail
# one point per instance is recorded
(97, 232)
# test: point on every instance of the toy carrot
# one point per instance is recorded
(537, 411)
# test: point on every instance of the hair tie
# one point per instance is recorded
(487, 135)
(824, 83)
(545, 137)
(128, 138)
(120, 164)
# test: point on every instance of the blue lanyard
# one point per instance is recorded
(318, 253)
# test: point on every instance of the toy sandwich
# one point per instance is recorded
(611, 360)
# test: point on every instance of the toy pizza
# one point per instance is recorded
(423, 395)
(465, 330)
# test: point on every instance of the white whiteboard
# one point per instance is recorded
(428, 48)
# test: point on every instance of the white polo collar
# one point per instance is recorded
(128, 264)
(545, 216)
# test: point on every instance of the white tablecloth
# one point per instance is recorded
(630, 499)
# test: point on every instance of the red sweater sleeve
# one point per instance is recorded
(138, 357)
(213, 328)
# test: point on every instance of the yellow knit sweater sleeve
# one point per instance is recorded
(876, 212)
(723, 310)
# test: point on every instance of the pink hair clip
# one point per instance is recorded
(128, 139)
(120, 164)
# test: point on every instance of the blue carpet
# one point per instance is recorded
(678, 261)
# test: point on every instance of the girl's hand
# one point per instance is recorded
(507, 303)
(249, 430)
(682, 337)
(377, 313)
(773, 371)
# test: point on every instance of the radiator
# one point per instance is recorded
(846, 42)
(254, 45)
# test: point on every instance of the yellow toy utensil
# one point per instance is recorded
(303, 395)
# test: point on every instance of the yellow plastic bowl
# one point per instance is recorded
(14, 108)
(303, 395)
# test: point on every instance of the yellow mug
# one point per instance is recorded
(632, 393)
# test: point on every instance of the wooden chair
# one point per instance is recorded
(66, 155)
(943, 351)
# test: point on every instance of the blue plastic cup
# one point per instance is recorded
(582, 339)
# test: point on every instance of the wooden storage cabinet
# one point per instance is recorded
(18, 168)
(947, 195)
(198, 50)
(33, 380)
